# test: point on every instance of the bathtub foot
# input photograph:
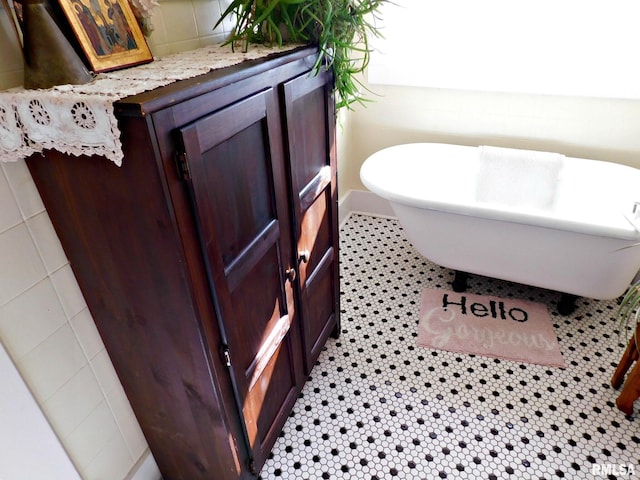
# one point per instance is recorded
(459, 283)
(567, 304)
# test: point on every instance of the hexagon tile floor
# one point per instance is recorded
(377, 406)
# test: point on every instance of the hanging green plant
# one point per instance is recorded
(340, 28)
(628, 312)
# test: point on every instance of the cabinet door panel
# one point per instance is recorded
(318, 281)
(237, 183)
(310, 137)
(315, 241)
(241, 173)
(308, 134)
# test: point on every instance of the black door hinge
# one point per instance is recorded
(182, 163)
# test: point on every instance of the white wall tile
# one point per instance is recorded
(24, 188)
(146, 468)
(127, 422)
(184, 25)
(20, 263)
(177, 46)
(105, 373)
(160, 34)
(181, 20)
(228, 23)
(29, 448)
(72, 403)
(113, 461)
(68, 290)
(87, 333)
(207, 14)
(86, 441)
(120, 406)
(30, 318)
(211, 40)
(47, 241)
(9, 213)
(52, 363)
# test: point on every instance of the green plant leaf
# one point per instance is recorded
(340, 28)
(626, 312)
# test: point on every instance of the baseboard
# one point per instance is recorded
(146, 469)
(365, 202)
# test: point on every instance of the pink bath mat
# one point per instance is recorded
(505, 328)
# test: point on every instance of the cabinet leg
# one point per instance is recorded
(337, 329)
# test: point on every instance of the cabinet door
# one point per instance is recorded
(310, 128)
(237, 180)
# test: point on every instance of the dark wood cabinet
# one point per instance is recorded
(310, 146)
(209, 260)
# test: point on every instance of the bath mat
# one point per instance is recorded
(504, 328)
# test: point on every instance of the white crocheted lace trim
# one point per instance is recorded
(79, 119)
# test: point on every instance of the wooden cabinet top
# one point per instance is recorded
(151, 101)
(80, 120)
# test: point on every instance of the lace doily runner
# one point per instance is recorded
(79, 119)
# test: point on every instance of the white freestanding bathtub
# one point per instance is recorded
(567, 232)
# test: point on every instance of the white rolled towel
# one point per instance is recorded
(517, 178)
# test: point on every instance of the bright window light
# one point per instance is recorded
(562, 47)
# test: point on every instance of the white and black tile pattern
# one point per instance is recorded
(377, 406)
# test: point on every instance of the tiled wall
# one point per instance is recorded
(25, 430)
(181, 25)
(45, 325)
(49, 333)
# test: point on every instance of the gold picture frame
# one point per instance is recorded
(108, 33)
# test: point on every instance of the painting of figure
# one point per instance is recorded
(17, 11)
(108, 33)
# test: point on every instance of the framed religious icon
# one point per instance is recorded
(108, 33)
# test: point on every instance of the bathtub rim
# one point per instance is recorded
(505, 213)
